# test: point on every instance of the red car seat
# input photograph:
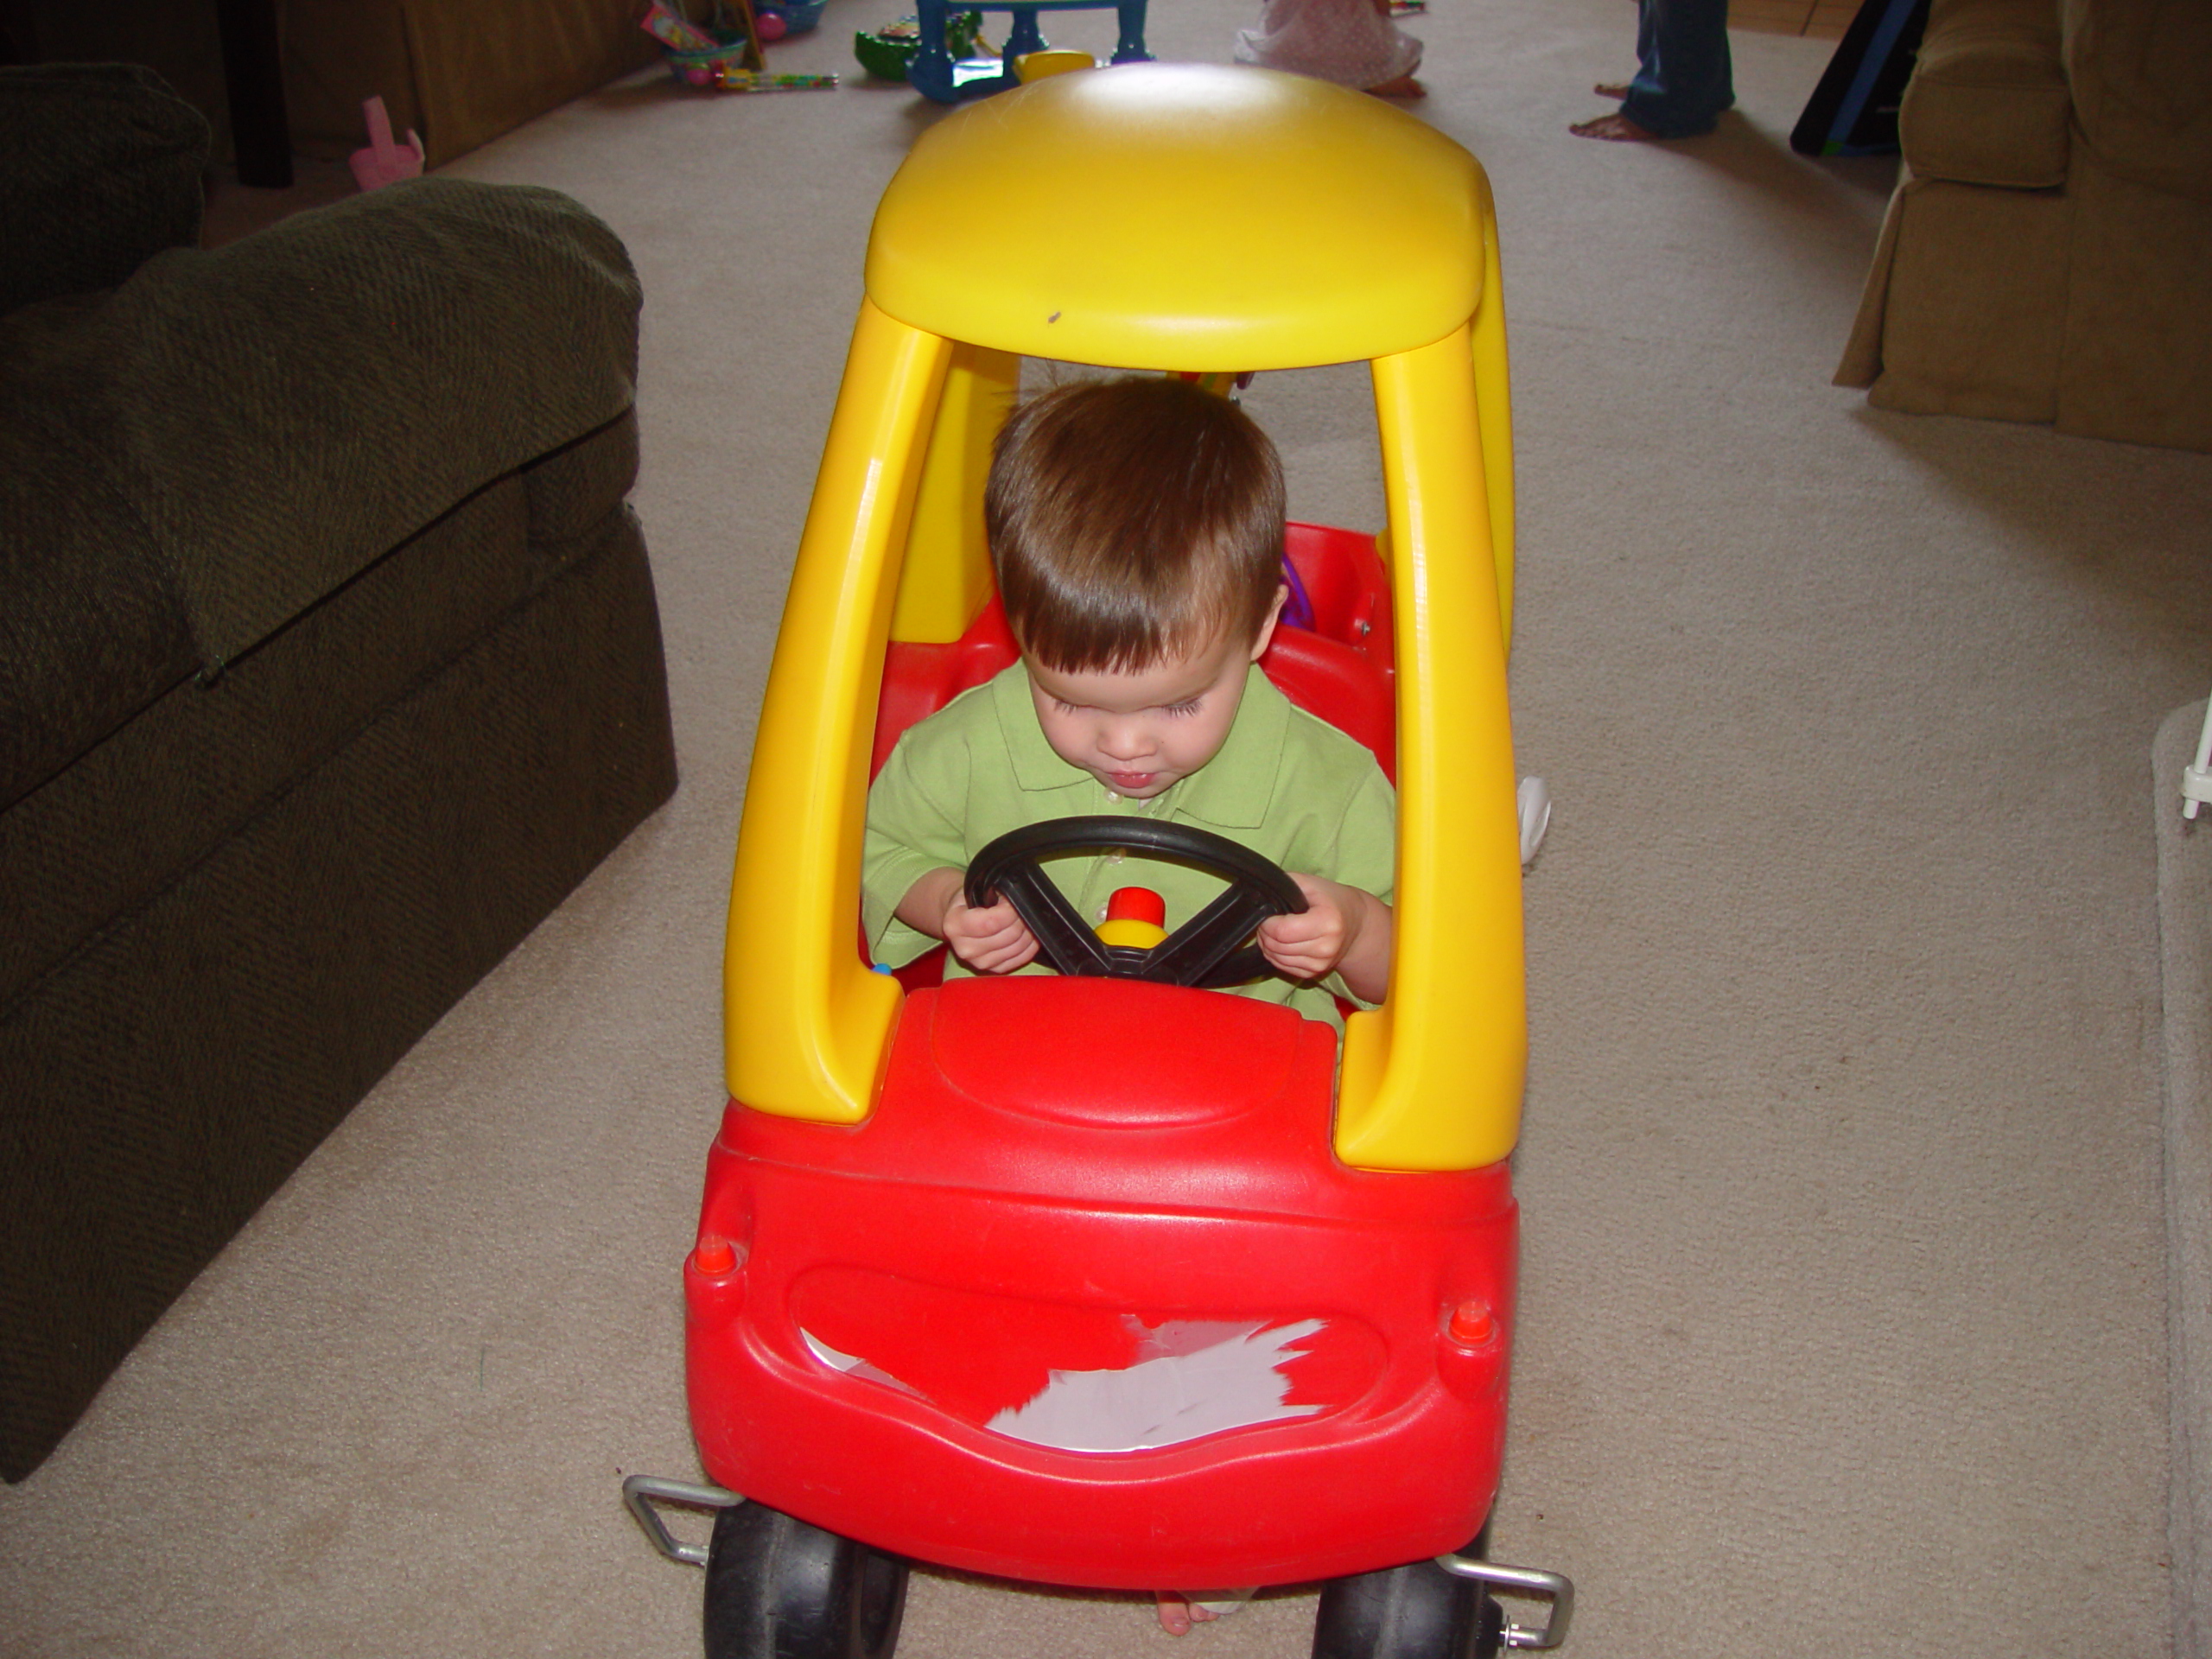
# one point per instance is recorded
(1340, 669)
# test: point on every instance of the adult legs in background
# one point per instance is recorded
(1683, 78)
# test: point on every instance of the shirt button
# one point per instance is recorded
(1114, 857)
(1102, 913)
(1111, 796)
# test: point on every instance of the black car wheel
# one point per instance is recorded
(778, 1588)
(1414, 1612)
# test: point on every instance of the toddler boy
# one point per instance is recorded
(1136, 529)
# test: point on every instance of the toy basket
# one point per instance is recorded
(798, 16)
(702, 68)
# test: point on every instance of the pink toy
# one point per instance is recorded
(674, 31)
(384, 162)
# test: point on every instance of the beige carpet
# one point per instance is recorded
(2186, 943)
(1845, 1300)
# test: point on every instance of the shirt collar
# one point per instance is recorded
(1232, 790)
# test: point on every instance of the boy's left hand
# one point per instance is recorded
(1312, 943)
(1344, 929)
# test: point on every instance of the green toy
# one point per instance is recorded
(886, 53)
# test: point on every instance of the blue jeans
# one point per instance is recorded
(1682, 77)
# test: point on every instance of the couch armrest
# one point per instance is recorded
(194, 458)
(1987, 103)
(286, 409)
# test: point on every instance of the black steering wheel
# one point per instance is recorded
(1202, 952)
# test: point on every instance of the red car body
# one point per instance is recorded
(1067, 1178)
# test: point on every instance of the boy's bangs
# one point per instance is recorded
(1121, 613)
(1133, 522)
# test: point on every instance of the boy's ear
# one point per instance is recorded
(1275, 615)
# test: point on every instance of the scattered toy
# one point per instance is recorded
(385, 161)
(886, 52)
(745, 81)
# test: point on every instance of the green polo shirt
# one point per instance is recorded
(1285, 784)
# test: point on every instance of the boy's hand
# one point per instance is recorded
(992, 940)
(1309, 944)
(1340, 927)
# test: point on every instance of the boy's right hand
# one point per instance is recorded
(989, 939)
(992, 940)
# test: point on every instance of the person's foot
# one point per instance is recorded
(1178, 1612)
(1611, 89)
(1403, 86)
(1615, 129)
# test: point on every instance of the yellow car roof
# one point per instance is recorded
(1246, 219)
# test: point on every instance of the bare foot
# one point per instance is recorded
(1180, 1609)
(1178, 1612)
(1618, 128)
(1403, 86)
(1611, 89)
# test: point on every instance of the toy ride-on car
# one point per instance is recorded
(1101, 1279)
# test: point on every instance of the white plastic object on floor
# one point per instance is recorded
(1536, 816)
(2197, 780)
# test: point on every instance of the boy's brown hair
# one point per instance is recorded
(1131, 521)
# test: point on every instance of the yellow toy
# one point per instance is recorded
(1233, 219)
(899, 1173)
(1053, 61)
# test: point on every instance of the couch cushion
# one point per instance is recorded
(158, 796)
(2138, 69)
(102, 173)
(180, 1065)
(1987, 103)
(91, 626)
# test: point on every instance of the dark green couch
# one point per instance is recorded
(329, 664)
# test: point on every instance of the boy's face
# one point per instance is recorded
(1140, 733)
